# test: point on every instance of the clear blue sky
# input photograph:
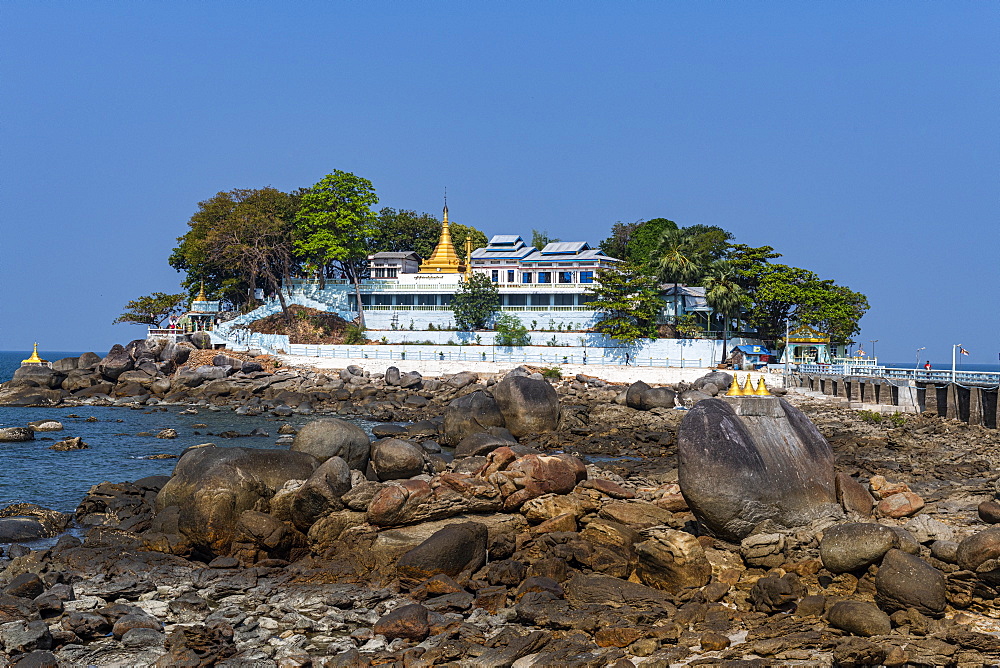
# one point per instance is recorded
(860, 139)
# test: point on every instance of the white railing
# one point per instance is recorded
(988, 379)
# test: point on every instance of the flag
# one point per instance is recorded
(963, 350)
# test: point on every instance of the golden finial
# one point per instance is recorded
(444, 259)
(34, 359)
(761, 390)
(747, 389)
(734, 388)
(201, 294)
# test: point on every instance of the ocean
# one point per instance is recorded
(33, 473)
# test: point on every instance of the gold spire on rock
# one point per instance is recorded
(444, 259)
(734, 388)
(34, 359)
(761, 390)
(201, 294)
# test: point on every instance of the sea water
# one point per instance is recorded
(31, 472)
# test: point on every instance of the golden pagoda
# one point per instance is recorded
(34, 360)
(444, 259)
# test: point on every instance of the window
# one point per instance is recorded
(565, 300)
(540, 300)
(565, 276)
(526, 277)
(586, 277)
(545, 277)
(516, 300)
(510, 275)
(391, 273)
(495, 275)
(383, 300)
(404, 300)
(494, 261)
(427, 300)
(445, 300)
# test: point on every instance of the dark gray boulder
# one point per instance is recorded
(175, 352)
(528, 406)
(860, 619)
(473, 413)
(201, 340)
(332, 437)
(116, 362)
(211, 488)
(633, 395)
(980, 553)
(907, 581)
(66, 364)
(482, 443)
(88, 361)
(455, 549)
(691, 397)
(657, 397)
(855, 546)
(396, 459)
(770, 463)
(16, 434)
(392, 376)
(461, 379)
(37, 376)
(719, 380)
(411, 380)
(321, 493)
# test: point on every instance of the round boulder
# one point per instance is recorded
(657, 397)
(116, 362)
(907, 581)
(528, 406)
(212, 487)
(16, 434)
(633, 395)
(737, 471)
(395, 459)
(332, 437)
(321, 493)
(980, 553)
(860, 619)
(481, 443)
(455, 549)
(471, 414)
(851, 547)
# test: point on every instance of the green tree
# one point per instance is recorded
(238, 240)
(335, 226)
(679, 262)
(475, 302)
(540, 239)
(152, 309)
(628, 302)
(511, 331)
(616, 245)
(405, 230)
(642, 246)
(724, 294)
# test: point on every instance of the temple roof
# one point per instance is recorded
(444, 259)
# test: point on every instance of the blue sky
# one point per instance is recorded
(858, 139)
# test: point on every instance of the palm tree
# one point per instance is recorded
(724, 294)
(679, 260)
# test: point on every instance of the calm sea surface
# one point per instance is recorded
(33, 473)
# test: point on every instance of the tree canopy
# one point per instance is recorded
(152, 309)
(628, 302)
(475, 303)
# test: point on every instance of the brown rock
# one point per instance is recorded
(617, 636)
(882, 488)
(565, 522)
(608, 488)
(408, 621)
(491, 599)
(672, 560)
(989, 512)
(636, 513)
(901, 504)
(853, 497)
(713, 642)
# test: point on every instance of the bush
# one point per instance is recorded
(552, 372)
(354, 335)
(892, 419)
(511, 331)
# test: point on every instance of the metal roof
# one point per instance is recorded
(565, 247)
(393, 255)
(589, 254)
(505, 239)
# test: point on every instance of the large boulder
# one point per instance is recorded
(980, 553)
(175, 352)
(201, 340)
(633, 395)
(672, 560)
(855, 546)
(657, 397)
(88, 361)
(16, 434)
(767, 463)
(481, 443)
(116, 362)
(906, 581)
(455, 549)
(395, 459)
(23, 522)
(528, 406)
(719, 380)
(473, 413)
(332, 437)
(321, 493)
(212, 487)
(37, 376)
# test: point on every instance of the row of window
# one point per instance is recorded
(506, 300)
(528, 277)
(391, 272)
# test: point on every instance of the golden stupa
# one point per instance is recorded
(734, 388)
(444, 259)
(34, 359)
(761, 390)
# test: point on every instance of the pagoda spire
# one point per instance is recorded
(444, 259)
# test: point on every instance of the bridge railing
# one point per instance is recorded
(987, 379)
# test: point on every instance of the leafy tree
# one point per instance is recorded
(642, 246)
(152, 309)
(541, 238)
(475, 302)
(724, 294)
(679, 261)
(616, 245)
(511, 331)
(335, 226)
(628, 301)
(238, 240)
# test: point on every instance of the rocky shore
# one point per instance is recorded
(578, 523)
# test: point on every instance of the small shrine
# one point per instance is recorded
(807, 346)
(203, 313)
(34, 360)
